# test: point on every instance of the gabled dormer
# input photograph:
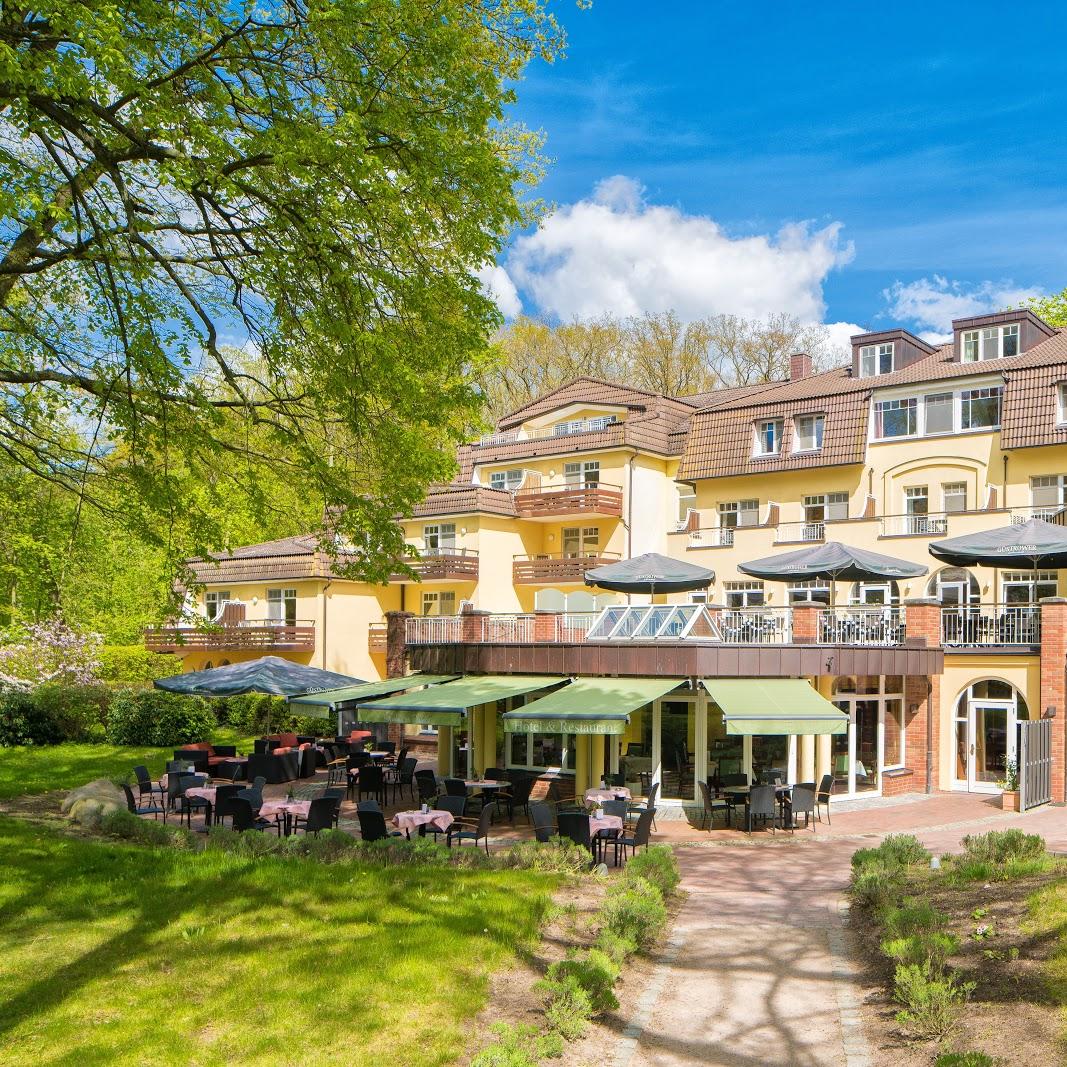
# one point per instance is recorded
(878, 354)
(997, 336)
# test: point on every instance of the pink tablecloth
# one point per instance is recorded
(605, 822)
(283, 807)
(411, 820)
(607, 794)
(205, 792)
(163, 779)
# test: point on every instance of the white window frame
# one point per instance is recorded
(775, 426)
(987, 342)
(1029, 580)
(826, 501)
(982, 393)
(277, 599)
(439, 537)
(952, 489)
(739, 595)
(818, 432)
(432, 596)
(951, 409)
(903, 403)
(582, 472)
(588, 540)
(1061, 404)
(738, 513)
(797, 591)
(1058, 482)
(508, 480)
(218, 598)
(871, 359)
(977, 389)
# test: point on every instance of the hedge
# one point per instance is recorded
(54, 713)
(153, 717)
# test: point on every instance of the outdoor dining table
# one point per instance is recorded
(599, 823)
(619, 792)
(411, 820)
(781, 792)
(287, 809)
(204, 792)
(487, 784)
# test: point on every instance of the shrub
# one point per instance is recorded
(258, 714)
(999, 846)
(876, 887)
(595, 971)
(163, 720)
(250, 844)
(327, 846)
(134, 666)
(965, 1059)
(568, 1007)
(635, 910)
(615, 946)
(558, 856)
(54, 713)
(897, 850)
(518, 1046)
(913, 917)
(933, 948)
(130, 827)
(657, 864)
(931, 1003)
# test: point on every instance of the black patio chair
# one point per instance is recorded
(427, 788)
(517, 795)
(224, 797)
(762, 805)
(713, 804)
(616, 780)
(822, 796)
(648, 805)
(372, 826)
(457, 787)
(388, 747)
(230, 771)
(639, 838)
(543, 823)
(802, 802)
(243, 817)
(404, 776)
(145, 785)
(132, 803)
(322, 815)
(254, 795)
(309, 763)
(471, 830)
(337, 773)
(372, 780)
(497, 774)
(367, 805)
(574, 825)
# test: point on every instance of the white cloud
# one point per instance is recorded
(614, 253)
(839, 340)
(932, 303)
(498, 286)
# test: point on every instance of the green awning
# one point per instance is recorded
(774, 706)
(447, 705)
(335, 699)
(589, 706)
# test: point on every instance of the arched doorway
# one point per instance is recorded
(985, 734)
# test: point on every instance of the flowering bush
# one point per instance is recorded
(46, 652)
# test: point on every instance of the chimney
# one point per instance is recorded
(799, 366)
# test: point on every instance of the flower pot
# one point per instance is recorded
(1009, 800)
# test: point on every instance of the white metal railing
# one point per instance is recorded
(433, 629)
(593, 425)
(862, 626)
(1048, 512)
(572, 627)
(933, 525)
(507, 629)
(712, 537)
(757, 626)
(977, 625)
(789, 532)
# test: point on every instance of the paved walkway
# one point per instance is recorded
(757, 970)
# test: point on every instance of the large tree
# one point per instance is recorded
(239, 244)
(1052, 308)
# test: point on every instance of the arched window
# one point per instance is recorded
(954, 587)
(206, 666)
(224, 662)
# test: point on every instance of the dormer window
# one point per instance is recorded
(808, 432)
(991, 342)
(1061, 404)
(876, 359)
(769, 437)
(508, 480)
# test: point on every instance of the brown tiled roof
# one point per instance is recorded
(592, 391)
(286, 559)
(1030, 407)
(458, 499)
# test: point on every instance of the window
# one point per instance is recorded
(896, 418)
(744, 594)
(876, 359)
(826, 507)
(769, 437)
(213, 602)
(509, 480)
(580, 541)
(938, 413)
(1028, 587)
(1048, 491)
(875, 594)
(817, 589)
(439, 537)
(1061, 403)
(698, 598)
(893, 754)
(808, 432)
(739, 513)
(281, 606)
(992, 342)
(954, 496)
(439, 603)
(980, 408)
(584, 473)
(687, 500)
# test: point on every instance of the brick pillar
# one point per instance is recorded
(396, 644)
(922, 700)
(472, 626)
(544, 626)
(806, 622)
(1054, 685)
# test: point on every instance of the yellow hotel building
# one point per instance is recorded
(908, 444)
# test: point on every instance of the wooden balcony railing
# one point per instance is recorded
(252, 635)
(443, 565)
(572, 498)
(557, 567)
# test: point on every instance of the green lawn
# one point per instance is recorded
(114, 953)
(37, 769)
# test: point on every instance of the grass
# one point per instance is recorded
(29, 770)
(113, 952)
(1047, 919)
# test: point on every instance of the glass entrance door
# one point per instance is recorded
(677, 725)
(985, 741)
(856, 756)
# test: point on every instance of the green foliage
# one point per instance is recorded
(658, 865)
(568, 1007)
(900, 850)
(519, 1045)
(635, 910)
(931, 1002)
(54, 713)
(617, 947)
(999, 846)
(153, 717)
(130, 827)
(558, 856)
(965, 1059)
(595, 971)
(259, 714)
(913, 916)
(1053, 308)
(933, 947)
(134, 666)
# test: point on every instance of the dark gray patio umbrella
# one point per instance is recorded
(1035, 544)
(269, 674)
(650, 573)
(833, 561)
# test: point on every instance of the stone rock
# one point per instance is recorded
(89, 803)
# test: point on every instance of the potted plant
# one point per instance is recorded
(1009, 784)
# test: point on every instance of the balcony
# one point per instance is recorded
(451, 629)
(991, 626)
(862, 626)
(442, 565)
(789, 533)
(556, 568)
(934, 524)
(574, 499)
(250, 635)
(377, 641)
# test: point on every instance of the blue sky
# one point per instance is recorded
(920, 147)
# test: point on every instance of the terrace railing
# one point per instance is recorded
(262, 635)
(934, 524)
(798, 532)
(862, 626)
(756, 626)
(434, 630)
(984, 625)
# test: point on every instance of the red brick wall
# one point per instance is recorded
(806, 622)
(1054, 684)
